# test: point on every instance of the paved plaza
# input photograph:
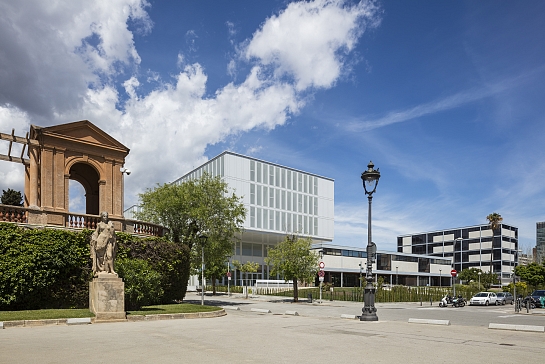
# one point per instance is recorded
(317, 334)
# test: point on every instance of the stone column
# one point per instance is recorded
(33, 176)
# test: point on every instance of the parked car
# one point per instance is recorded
(484, 298)
(505, 297)
(537, 297)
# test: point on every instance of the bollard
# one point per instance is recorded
(309, 298)
(420, 301)
(431, 303)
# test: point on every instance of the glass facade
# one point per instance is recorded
(540, 242)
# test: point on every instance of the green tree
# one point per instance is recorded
(195, 207)
(11, 197)
(469, 275)
(294, 260)
(142, 283)
(494, 220)
(533, 274)
(248, 267)
(488, 279)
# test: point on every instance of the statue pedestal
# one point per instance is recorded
(107, 297)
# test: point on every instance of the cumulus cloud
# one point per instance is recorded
(66, 61)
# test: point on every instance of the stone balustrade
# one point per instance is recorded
(74, 221)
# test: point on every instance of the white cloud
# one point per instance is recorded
(308, 40)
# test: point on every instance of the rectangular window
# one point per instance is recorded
(237, 248)
(305, 183)
(265, 196)
(299, 182)
(277, 199)
(277, 176)
(277, 219)
(315, 186)
(271, 220)
(284, 227)
(300, 223)
(222, 166)
(311, 205)
(252, 171)
(256, 250)
(258, 218)
(271, 197)
(258, 195)
(247, 249)
(252, 216)
(294, 208)
(315, 226)
(289, 201)
(265, 219)
(283, 200)
(299, 203)
(306, 224)
(271, 175)
(316, 206)
(283, 178)
(289, 180)
(252, 194)
(305, 204)
(294, 225)
(288, 228)
(259, 172)
(294, 174)
(265, 173)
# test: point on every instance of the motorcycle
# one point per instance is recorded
(455, 302)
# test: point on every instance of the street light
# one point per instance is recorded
(440, 278)
(361, 272)
(202, 239)
(480, 279)
(370, 181)
(321, 279)
(396, 277)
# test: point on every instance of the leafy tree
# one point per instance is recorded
(142, 283)
(469, 275)
(294, 260)
(193, 208)
(494, 220)
(532, 273)
(488, 279)
(248, 267)
(11, 197)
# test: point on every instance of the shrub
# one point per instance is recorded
(142, 283)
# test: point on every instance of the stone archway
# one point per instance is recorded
(88, 177)
(79, 151)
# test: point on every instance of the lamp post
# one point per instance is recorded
(321, 278)
(440, 278)
(396, 277)
(480, 279)
(370, 181)
(202, 238)
(361, 273)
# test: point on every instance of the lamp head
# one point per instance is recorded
(370, 179)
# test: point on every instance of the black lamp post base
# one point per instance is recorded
(367, 316)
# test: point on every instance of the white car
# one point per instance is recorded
(484, 298)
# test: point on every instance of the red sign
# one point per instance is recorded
(229, 274)
(322, 265)
(321, 273)
(453, 272)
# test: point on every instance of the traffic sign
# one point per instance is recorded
(229, 274)
(322, 265)
(321, 273)
(453, 272)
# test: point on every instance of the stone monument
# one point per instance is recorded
(107, 290)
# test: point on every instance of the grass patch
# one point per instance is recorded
(81, 313)
(174, 308)
(44, 314)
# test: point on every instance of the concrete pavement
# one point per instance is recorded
(317, 335)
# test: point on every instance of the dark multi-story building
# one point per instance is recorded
(474, 246)
(540, 242)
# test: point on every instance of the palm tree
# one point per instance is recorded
(494, 222)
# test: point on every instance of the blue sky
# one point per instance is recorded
(445, 97)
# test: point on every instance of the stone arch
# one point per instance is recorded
(79, 151)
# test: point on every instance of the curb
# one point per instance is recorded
(430, 322)
(176, 316)
(262, 310)
(516, 327)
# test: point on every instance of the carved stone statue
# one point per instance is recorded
(103, 246)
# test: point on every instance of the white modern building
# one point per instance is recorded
(279, 200)
(345, 265)
(470, 247)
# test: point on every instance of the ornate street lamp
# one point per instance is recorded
(370, 181)
(202, 239)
